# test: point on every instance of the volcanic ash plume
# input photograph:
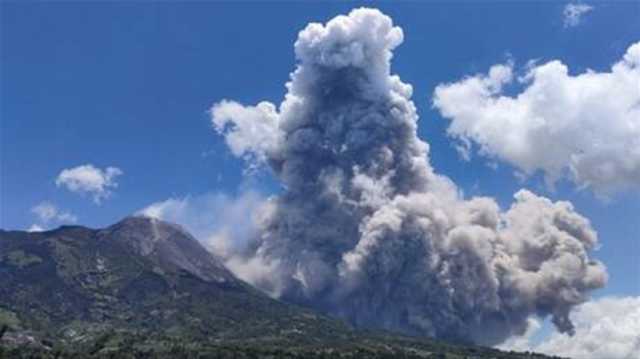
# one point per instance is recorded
(365, 229)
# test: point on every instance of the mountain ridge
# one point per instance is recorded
(112, 275)
(144, 278)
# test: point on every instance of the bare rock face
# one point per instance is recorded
(168, 245)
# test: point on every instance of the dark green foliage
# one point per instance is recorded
(354, 350)
(81, 293)
(87, 282)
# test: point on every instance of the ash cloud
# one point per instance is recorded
(366, 230)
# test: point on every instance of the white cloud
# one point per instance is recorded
(250, 132)
(45, 211)
(584, 127)
(49, 214)
(35, 228)
(605, 328)
(87, 179)
(573, 13)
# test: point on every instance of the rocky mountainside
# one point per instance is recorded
(139, 273)
(145, 284)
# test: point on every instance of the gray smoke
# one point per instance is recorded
(365, 229)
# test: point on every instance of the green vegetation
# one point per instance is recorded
(9, 319)
(21, 259)
(85, 281)
(121, 345)
(81, 293)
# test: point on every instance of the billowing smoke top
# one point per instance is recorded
(367, 231)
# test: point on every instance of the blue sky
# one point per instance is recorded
(129, 85)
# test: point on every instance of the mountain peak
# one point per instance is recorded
(143, 275)
(168, 245)
(91, 289)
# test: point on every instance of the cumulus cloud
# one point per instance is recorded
(605, 328)
(87, 179)
(585, 127)
(251, 131)
(366, 230)
(573, 13)
(49, 214)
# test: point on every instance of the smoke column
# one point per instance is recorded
(367, 231)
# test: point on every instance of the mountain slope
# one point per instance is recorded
(168, 246)
(139, 273)
(147, 286)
